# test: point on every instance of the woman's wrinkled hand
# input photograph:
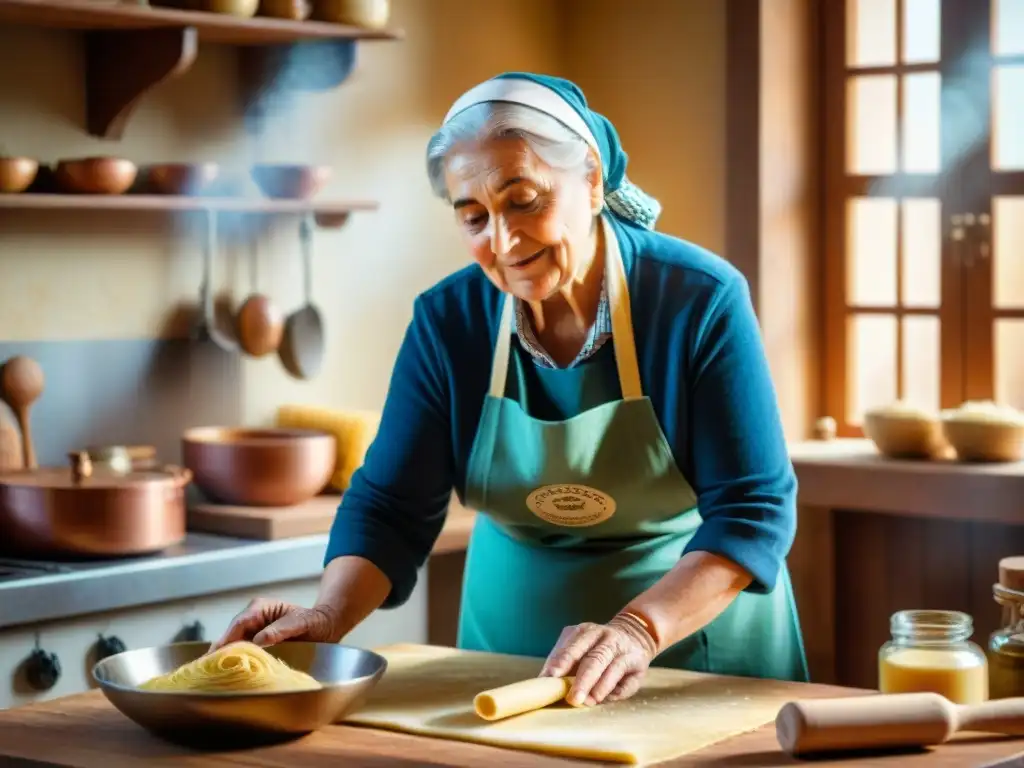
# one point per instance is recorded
(267, 622)
(608, 660)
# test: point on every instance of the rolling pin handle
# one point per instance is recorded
(1002, 716)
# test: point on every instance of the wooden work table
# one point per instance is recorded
(85, 731)
(877, 535)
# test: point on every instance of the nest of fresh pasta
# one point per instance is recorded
(241, 667)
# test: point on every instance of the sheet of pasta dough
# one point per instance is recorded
(429, 691)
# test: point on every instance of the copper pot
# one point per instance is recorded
(259, 467)
(94, 511)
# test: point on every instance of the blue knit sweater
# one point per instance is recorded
(702, 363)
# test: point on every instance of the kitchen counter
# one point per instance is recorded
(850, 474)
(85, 731)
(203, 564)
(877, 535)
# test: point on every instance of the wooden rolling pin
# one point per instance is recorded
(889, 721)
(524, 696)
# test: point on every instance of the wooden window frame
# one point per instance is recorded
(840, 187)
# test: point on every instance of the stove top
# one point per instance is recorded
(22, 569)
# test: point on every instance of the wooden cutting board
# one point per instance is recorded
(266, 523)
(429, 691)
(310, 518)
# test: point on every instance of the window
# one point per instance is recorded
(924, 204)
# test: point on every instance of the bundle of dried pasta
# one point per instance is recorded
(353, 430)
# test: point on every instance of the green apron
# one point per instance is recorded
(581, 515)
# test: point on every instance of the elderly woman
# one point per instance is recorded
(599, 393)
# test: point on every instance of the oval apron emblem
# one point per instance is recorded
(574, 506)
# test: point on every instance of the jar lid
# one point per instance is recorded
(1011, 573)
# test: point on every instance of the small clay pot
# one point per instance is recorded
(368, 14)
(96, 175)
(296, 10)
(290, 182)
(17, 174)
(243, 9)
(182, 178)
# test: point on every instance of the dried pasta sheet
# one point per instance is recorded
(429, 691)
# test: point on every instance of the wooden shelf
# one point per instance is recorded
(210, 27)
(337, 211)
(131, 49)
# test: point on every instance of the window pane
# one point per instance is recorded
(1008, 27)
(921, 369)
(921, 120)
(871, 33)
(1008, 253)
(922, 253)
(921, 31)
(871, 364)
(1009, 362)
(871, 124)
(871, 260)
(1008, 118)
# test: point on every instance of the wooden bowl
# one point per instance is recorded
(978, 440)
(904, 435)
(17, 174)
(96, 175)
(290, 182)
(182, 178)
(272, 467)
(296, 10)
(243, 9)
(369, 14)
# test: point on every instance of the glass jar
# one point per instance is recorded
(931, 651)
(1006, 645)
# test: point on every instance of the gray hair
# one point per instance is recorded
(550, 139)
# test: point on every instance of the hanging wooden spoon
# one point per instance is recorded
(260, 322)
(21, 384)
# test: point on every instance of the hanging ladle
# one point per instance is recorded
(214, 327)
(302, 348)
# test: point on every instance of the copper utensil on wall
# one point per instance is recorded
(259, 322)
(21, 384)
(259, 467)
(302, 347)
(81, 509)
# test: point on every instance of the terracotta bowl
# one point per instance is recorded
(182, 178)
(96, 175)
(291, 182)
(271, 467)
(17, 174)
(243, 9)
(297, 10)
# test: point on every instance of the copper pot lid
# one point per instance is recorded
(81, 473)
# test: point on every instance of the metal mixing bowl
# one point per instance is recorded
(238, 719)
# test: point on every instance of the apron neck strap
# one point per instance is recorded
(622, 325)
